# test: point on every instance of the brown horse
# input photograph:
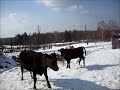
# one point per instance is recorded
(37, 63)
(69, 54)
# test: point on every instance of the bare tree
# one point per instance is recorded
(102, 26)
(112, 25)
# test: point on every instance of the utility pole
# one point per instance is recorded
(86, 35)
(0, 38)
(38, 35)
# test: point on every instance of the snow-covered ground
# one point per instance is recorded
(102, 71)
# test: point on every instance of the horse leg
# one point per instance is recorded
(79, 60)
(22, 72)
(35, 80)
(69, 63)
(46, 76)
(31, 74)
(84, 61)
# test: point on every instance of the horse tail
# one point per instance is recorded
(84, 50)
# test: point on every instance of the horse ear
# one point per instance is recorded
(56, 54)
(59, 50)
(53, 54)
(48, 56)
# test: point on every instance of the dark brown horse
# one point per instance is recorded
(37, 63)
(69, 54)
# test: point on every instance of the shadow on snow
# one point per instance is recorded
(77, 84)
(98, 67)
(7, 63)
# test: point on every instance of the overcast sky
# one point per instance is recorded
(19, 16)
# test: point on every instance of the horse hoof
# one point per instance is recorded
(34, 88)
(49, 86)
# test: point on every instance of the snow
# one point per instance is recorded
(7, 62)
(102, 71)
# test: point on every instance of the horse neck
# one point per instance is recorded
(44, 61)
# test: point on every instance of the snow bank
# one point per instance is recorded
(6, 63)
(102, 72)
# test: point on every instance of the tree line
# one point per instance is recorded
(103, 33)
(56, 37)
